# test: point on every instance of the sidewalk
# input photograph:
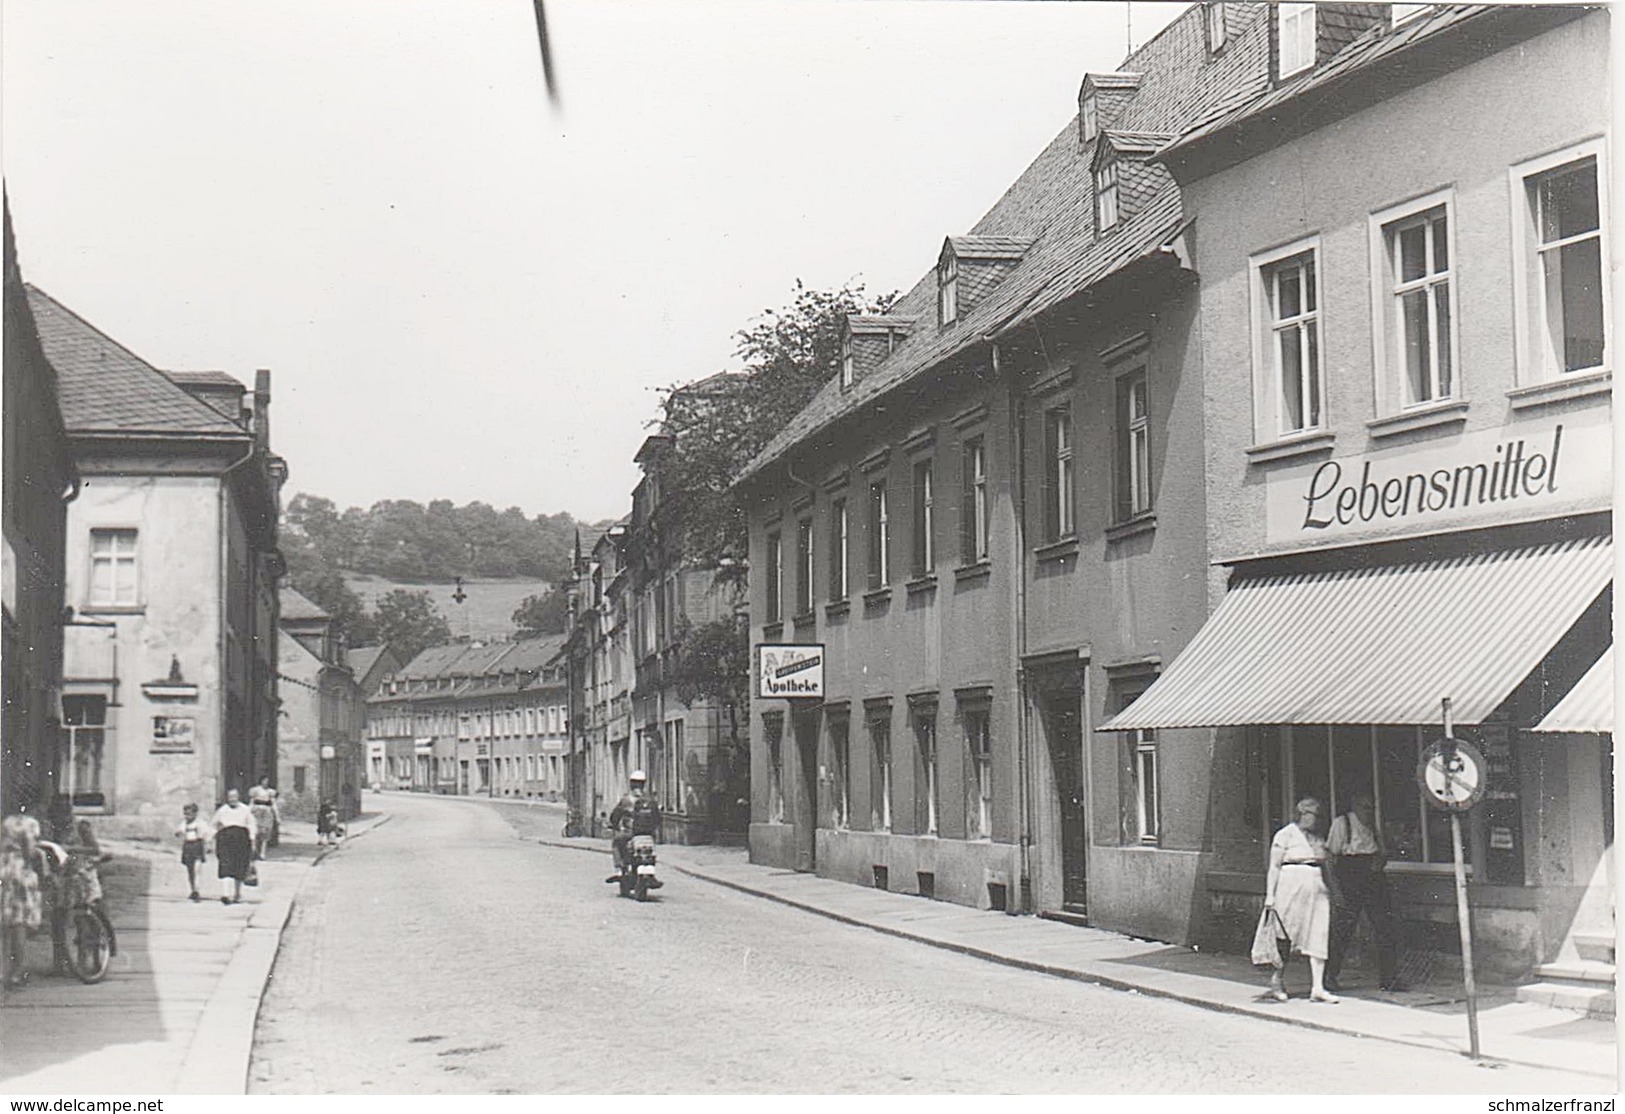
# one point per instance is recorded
(1432, 1016)
(176, 1013)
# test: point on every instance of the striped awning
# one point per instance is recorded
(1380, 644)
(1589, 706)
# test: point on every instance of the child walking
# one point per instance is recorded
(194, 835)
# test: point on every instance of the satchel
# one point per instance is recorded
(1267, 939)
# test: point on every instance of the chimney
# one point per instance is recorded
(262, 408)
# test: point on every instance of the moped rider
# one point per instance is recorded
(634, 814)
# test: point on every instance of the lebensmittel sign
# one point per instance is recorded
(1519, 471)
(791, 671)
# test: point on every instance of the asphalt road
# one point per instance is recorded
(447, 953)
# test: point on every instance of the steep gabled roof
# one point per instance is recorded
(1050, 209)
(295, 606)
(989, 247)
(106, 388)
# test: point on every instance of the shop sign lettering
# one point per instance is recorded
(1493, 475)
(792, 671)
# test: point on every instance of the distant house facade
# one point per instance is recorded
(169, 692)
(370, 665)
(39, 477)
(320, 755)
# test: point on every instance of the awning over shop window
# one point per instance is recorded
(1589, 706)
(1380, 644)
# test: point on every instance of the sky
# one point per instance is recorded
(462, 291)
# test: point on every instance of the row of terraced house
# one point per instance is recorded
(1266, 410)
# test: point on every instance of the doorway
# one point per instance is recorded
(804, 726)
(1060, 706)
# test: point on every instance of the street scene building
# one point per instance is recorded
(169, 688)
(320, 758)
(1131, 394)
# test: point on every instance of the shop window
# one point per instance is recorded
(773, 730)
(1142, 799)
(1559, 281)
(974, 506)
(1289, 383)
(1058, 490)
(840, 761)
(924, 519)
(84, 748)
(839, 584)
(979, 755)
(1413, 298)
(774, 569)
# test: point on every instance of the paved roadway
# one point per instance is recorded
(445, 953)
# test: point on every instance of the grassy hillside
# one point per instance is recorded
(487, 613)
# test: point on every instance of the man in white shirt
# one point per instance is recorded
(1354, 846)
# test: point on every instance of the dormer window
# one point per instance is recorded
(1089, 108)
(1295, 38)
(1402, 12)
(1213, 20)
(847, 363)
(1105, 197)
(948, 289)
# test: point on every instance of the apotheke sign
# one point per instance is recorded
(792, 671)
(1557, 466)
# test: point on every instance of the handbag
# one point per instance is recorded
(1267, 939)
(253, 877)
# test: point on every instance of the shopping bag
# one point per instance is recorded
(1266, 942)
(253, 878)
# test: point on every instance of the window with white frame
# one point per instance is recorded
(948, 289)
(1213, 21)
(925, 738)
(1058, 494)
(1089, 115)
(113, 569)
(840, 760)
(1295, 38)
(1106, 196)
(839, 583)
(880, 782)
(979, 753)
(879, 536)
(804, 566)
(974, 505)
(1133, 446)
(1143, 809)
(1290, 390)
(1413, 298)
(84, 745)
(1560, 283)
(848, 365)
(924, 519)
(774, 566)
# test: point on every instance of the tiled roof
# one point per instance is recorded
(205, 379)
(1117, 80)
(884, 322)
(1137, 141)
(1051, 207)
(106, 388)
(1376, 42)
(989, 247)
(362, 658)
(294, 605)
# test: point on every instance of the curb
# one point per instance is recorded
(218, 1060)
(1083, 976)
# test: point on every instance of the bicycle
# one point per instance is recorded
(91, 941)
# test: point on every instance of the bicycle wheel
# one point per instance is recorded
(90, 948)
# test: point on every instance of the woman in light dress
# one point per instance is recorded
(1296, 890)
(21, 907)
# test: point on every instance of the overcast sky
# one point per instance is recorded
(462, 292)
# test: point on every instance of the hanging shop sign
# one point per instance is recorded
(1526, 470)
(1452, 774)
(791, 671)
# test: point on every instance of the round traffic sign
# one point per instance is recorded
(1451, 774)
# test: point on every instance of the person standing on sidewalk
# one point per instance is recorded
(1296, 890)
(1357, 861)
(194, 835)
(233, 846)
(21, 906)
(259, 803)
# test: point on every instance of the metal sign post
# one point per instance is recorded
(1451, 773)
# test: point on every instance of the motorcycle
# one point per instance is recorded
(638, 870)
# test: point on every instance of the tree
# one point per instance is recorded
(719, 424)
(539, 616)
(712, 662)
(410, 622)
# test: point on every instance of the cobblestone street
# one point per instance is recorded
(446, 953)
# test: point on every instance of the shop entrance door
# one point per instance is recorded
(1062, 728)
(804, 800)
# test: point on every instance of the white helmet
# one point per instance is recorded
(638, 775)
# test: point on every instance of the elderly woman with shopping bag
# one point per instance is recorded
(1297, 903)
